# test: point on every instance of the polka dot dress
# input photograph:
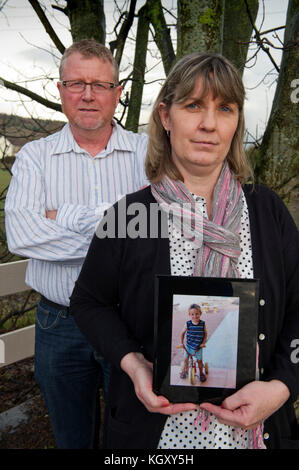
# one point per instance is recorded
(179, 431)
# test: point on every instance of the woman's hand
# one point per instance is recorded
(141, 373)
(250, 405)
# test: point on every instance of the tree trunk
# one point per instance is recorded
(138, 70)
(199, 26)
(47, 25)
(162, 34)
(87, 19)
(237, 30)
(119, 43)
(278, 159)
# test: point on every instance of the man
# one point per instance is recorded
(60, 188)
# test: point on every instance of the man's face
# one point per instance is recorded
(88, 111)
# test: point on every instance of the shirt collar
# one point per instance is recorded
(119, 140)
(66, 142)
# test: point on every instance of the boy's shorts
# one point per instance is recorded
(196, 354)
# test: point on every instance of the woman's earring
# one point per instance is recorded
(167, 133)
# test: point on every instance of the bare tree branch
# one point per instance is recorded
(162, 33)
(259, 39)
(31, 94)
(138, 69)
(47, 25)
(271, 30)
(119, 43)
(58, 8)
(2, 3)
(21, 311)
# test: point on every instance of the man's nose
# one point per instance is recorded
(87, 94)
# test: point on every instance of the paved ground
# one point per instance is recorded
(24, 420)
(15, 416)
(215, 378)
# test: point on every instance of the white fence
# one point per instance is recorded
(19, 344)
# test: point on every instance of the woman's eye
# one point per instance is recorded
(225, 108)
(192, 106)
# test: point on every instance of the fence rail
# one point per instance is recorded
(19, 344)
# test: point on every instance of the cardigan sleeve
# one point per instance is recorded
(95, 302)
(285, 363)
(277, 237)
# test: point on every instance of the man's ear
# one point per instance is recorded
(59, 85)
(118, 94)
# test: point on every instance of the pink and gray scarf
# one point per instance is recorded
(219, 243)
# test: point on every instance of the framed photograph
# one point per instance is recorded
(205, 337)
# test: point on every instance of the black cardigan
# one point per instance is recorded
(113, 305)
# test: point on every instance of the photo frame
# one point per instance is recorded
(229, 311)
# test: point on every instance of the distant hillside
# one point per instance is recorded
(19, 130)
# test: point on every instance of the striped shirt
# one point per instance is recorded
(55, 173)
(195, 334)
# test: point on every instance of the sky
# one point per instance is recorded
(27, 53)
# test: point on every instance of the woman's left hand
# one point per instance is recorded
(250, 405)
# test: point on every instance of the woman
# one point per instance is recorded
(195, 154)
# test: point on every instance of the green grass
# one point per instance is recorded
(4, 179)
(15, 302)
(12, 303)
(4, 182)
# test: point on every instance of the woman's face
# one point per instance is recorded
(201, 131)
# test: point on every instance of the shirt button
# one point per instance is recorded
(266, 435)
(261, 370)
(262, 336)
(262, 302)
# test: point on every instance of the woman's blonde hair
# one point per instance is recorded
(220, 78)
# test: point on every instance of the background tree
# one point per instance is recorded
(225, 26)
(277, 162)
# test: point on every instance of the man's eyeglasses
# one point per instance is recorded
(77, 86)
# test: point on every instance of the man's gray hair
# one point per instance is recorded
(89, 48)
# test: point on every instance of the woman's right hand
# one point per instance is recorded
(141, 373)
